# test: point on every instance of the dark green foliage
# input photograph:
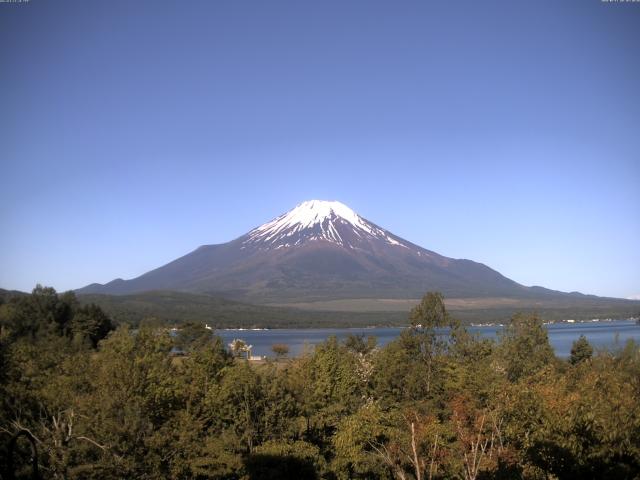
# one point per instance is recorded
(405, 369)
(525, 346)
(91, 323)
(581, 350)
(173, 308)
(44, 313)
(282, 461)
(192, 336)
(333, 387)
(420, 406)
(430, 313)
(358, 343)
(411, 367)
(280, 349)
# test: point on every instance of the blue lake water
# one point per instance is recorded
(603, 334)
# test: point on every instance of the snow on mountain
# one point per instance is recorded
(317, 220)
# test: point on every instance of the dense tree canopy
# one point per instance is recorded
(581, 350)
(111, 404)
(44, 314)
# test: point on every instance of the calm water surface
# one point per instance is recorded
(607, 334)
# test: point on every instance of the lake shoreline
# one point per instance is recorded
(489, 324)
(601, 334)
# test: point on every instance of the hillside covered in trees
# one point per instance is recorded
(100, 402)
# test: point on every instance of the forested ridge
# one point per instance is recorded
(105, 401)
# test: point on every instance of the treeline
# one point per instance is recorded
(111, 405)
(177, 308)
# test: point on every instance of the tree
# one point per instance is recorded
(411, 363)
(40, 314)
(239, 347)
(407, 442)
(358, 344)
(581, 350)
(91, 323)
(355, 442)
(133, 399)
(280, 349)
(45, 314)
(192, 336)
(425, 406)
(235, 405)
(430, 313)
(478, 436)
(525, 346)
(578, 422)
(400, 372)
(330, 388)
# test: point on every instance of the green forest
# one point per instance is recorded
(85, 398)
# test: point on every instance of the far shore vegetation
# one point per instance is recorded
(177, 308)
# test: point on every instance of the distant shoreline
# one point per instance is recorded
(475, 325)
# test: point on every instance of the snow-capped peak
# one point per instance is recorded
(317, 220)
(314, 212)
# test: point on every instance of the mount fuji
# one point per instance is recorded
(318, 251)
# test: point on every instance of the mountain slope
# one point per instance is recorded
(317, 251)
(179, 307)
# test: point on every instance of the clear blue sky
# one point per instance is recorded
(506, 132)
